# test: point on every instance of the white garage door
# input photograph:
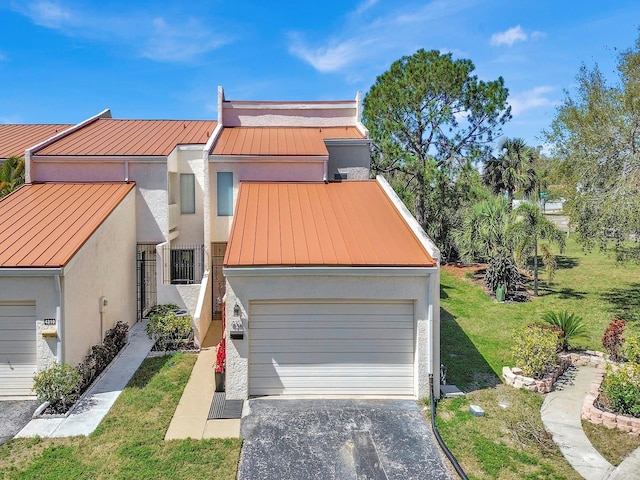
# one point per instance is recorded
(17, 348)
(328, 347)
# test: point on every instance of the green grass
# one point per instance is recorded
(613, 444)
(129, 441)
(476, 339)
(508, 443)
(477, 332)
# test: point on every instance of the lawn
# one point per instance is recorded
(477, 332)
(476, 339)
(129, 441)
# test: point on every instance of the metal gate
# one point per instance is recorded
(146, 278)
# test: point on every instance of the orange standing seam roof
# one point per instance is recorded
(15, 139)
(351, 223)
(108, 136)
(44, 225)
(280, 140)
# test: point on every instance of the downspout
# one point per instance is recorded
(126, 171)
(59, 350)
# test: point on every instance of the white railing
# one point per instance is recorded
(174, 216)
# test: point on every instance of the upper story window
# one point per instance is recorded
(187, 193)
(225, 194)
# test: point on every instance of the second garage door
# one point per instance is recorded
(17, 348)
(328, 347)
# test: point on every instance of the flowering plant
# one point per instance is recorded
(221, 356)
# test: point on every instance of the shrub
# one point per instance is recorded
(502, 270)
(621, 389)
(572, 326)
(100, 356)
(632, 348)
(535, 349)
(612, 340)
(57, 383)
(169, 331)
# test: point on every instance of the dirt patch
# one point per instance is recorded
(465, 271)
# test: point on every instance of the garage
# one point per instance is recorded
(329, 347)
(331, 289)
(18, 360)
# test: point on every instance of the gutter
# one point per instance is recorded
(349, 271)
(30, 272)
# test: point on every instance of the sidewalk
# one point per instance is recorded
(190, 418)
(87, 415)
(561, 415)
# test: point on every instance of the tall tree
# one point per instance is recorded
(512, 170)
(531, 226)
(596, 136)
(11, 175)
(429, 116)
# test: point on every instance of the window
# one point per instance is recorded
(225, 194)
(182, 265)
(187, 193)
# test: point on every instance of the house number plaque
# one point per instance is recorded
(49, 321)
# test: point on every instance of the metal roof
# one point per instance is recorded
(44, 225)
(109, 137)
(15, 139)
(352, 223)
(280, 140)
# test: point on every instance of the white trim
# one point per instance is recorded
(31, 272)
(267, 158)
(329, 271)
(347, 141)
(100, 158)
(427, 243)
(243, 105)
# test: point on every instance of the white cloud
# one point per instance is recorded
(48, 14)
(393, 32)
(171, 43)
(144, 34)
(509, 37)
(534, 98)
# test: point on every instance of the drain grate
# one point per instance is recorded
(223, 408)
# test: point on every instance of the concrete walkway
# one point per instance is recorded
(561, 415)
(87, 415)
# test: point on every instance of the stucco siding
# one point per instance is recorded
(191, 226)
(104, 267)
(349, 159)
(246, 289)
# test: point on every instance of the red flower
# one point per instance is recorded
(221, 356)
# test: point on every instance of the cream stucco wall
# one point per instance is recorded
(105, 266)
(191, 226)
(42, 291)
(339, 284)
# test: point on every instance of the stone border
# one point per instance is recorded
(590, 412)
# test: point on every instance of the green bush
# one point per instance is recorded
(571, 325)
(631, 348)
(621, 390)
(502, 270)
(169, 331)
(57, 383)
(535, 349)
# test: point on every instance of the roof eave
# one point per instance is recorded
(30, 271)
(345, 270)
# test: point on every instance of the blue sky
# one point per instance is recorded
(66, 60)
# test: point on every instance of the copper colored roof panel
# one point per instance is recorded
(44, 225)
(15, 139)
(279, 140)
(307, 224)
(108, 137)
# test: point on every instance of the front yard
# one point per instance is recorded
(129, 442)
(476, 340)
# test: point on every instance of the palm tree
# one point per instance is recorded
(512, 170)
(529, 227)
(11, 175)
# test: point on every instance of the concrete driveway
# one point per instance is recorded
(338, 439)
(14, 415)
